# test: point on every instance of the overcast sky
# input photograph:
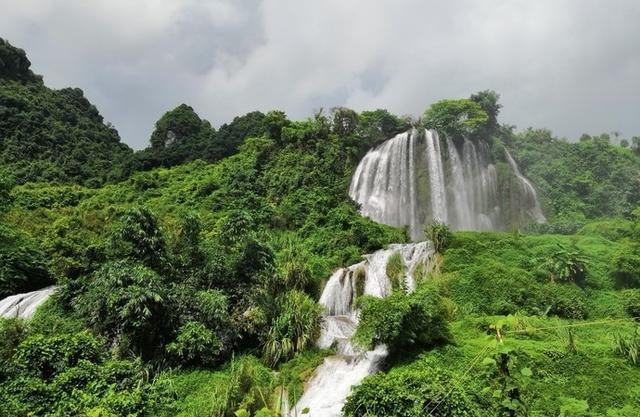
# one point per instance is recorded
(569, 65)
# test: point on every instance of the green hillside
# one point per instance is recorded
(189, 281)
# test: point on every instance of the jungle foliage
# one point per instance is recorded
(188, 272)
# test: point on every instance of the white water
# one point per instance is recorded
(24, 305)
(529, 192)
(417, 177)
(331, 383)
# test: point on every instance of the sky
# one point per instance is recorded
(572, 66)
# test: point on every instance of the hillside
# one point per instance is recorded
(200, 281)
(53, 135)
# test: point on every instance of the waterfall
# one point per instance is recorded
(386, 179)
(331, 383)
(418, 177)
(529, 192)
(436, 177)
(24, 305)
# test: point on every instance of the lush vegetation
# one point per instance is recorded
(189, 272)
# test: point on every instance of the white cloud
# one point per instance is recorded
(569, 65)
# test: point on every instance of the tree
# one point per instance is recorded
(456, 118)
(378, 125)
(6, 185)
(345, 121)
(231, 135)
(140, 238)
(635, 144)
(294, 328)
(127, 302)
(488, 100)
(14, 64)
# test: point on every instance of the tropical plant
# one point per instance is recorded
(127, 302)
(403, 322)
(568, 265)
(439, 234)
(628, 346)
(395, 271)
(456, 118)
(294, 328)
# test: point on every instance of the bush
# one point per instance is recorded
(631, 299)
(439, 234)
(195, 344)
(567, 265)
(295, 326)
(417, 320)
(395, 270)
(127, 303)
(626, 265)
(565, 301)
(411, 392)
(44, 357)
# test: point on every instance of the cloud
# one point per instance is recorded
(572, 65)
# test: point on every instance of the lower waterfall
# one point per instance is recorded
(331, 383)
(24, 305)
(418, 177)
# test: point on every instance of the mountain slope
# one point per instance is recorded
(53, 135)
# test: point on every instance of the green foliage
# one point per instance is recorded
(140, 238)
(14, 64)
(294, 328)
(195, 344)
(231, 135)
(179, 136)
(403, 322)
(627, 267)
(395, 270)
(632, 302)
(439, 234)
(567, 265)
(53, 135)
(126, 302)
(64, 375)
(22, 264)
(407, 392)
(456, 118)
(45, 357)
(577, 181)
(628, 346)
(488, 101)
(507, 381)
(244, 383)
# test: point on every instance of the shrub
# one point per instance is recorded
(439, 234)
(631, 299)
(565, 301)
(395, 270)
(626, 265)
(195, 344)
(45, 357)
(295, 326)
(417, 320)
(628, 346)
(567, 265)
(411, 392)
(126, 302)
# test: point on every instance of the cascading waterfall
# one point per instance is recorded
(528, 191)
(331, 383)
(436, 177)
(417, 177)
(24, 305)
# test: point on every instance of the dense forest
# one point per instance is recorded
(189, 273)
